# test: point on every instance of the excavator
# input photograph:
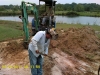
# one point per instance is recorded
(31, 7)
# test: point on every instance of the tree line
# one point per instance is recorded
(60, 7)
(78, 7)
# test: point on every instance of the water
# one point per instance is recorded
(79, 20)
(62, 19)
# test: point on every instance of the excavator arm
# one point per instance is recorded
(25, 9)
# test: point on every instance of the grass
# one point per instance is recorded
(11, 30)
(92, 14)
(11, 24)
(66, 26)
(9, 33)
(61, 12)
(9, 13)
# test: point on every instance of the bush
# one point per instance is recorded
(72, 14)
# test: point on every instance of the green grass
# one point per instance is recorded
(10, 13)
(11, 24)
(94, 14)
(9, 33)
(10, 30)
(60, 12)
(98, 35)
(66, 26)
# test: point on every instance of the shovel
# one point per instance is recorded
(51, 58)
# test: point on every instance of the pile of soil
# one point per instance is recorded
(14, 58)
(78, 42)
(13, 52)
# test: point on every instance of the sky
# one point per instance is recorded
(18, 2)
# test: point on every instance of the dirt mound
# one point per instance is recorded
(13, 58)
(13, 52)
(83, 38)
(77, 41)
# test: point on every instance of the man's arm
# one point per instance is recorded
(35, 45)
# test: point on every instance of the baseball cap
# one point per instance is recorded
(53, 33)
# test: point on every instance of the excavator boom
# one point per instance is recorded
(34, 11)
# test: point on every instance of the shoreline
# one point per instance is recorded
(59, 13)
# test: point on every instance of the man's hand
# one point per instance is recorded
(37, 51)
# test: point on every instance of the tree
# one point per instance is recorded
(2, 8)
(73, 6)
(79, 8)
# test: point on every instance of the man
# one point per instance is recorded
(53, 20)
(49, 13)
(39, 45)
(33, 27)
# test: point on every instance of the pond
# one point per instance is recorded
(62, 19)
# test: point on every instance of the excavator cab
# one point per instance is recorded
(49, 6)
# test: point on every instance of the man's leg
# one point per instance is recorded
(43, 20)
(50, 20)
(33, 61)
(39, 65)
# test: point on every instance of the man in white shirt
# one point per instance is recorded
(39, 45)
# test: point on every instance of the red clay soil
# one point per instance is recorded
(75, 52)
